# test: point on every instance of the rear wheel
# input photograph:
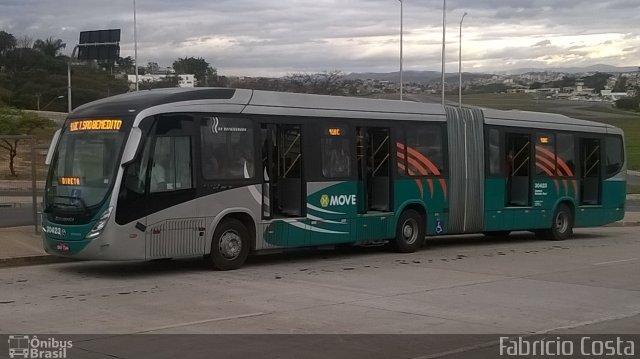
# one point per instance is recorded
(562, 226)
(230, 245)
(409, 232)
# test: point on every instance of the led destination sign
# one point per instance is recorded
(69, 181)
(95, 125)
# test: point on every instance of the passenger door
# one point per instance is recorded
(590, 171)
(518, 169)
(374, 175)
(283, 185)
(173, 228)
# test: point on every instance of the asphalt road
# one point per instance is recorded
(16, 216)
(462, 284)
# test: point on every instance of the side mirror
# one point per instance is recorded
(52, 147)
(131, 148)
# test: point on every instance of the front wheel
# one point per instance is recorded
(230, 245)
(409, 232)
(562, 226)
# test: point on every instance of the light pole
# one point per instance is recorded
(444, 31)
(460, 64)
(135, 43)
(401, 33)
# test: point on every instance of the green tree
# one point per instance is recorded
(49, 46)
(126, 64)
(7, 42)
(14, 122)
(168, 81)
(204, 73)
(323, 83)
(629, 103)
(621, 84)
(597, 81)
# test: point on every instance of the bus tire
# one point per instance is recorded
(230, 245)
(496, 234)
(409, 232)
(562, 225)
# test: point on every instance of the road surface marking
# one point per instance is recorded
(201, 322)
(618, 261)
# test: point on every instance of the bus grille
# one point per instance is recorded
(176, 238)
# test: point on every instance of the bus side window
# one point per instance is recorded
(171, 165)
(227, 148)
(425, 150)
(336, 154)
(615, 157)
(136, 172)
(545, 155)
(495, 162)
(566, 155)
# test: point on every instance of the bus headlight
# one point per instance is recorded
(99, 226)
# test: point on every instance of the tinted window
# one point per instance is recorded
(566, 155)
(227, 148)
(494, 153)
(424, 150)
(518, 155)
(591, 158)
(336, 157)
(615, 156)
(171, 168)
(545, 155)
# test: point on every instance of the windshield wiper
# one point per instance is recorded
(77, 200)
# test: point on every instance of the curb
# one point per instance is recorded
(32, 260)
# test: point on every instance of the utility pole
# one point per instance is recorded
(401, 33)
(135, 42)
(444, 31)
(460, 64)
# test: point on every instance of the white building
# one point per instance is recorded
(613, 96)
(186, 80)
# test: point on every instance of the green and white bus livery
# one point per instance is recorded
(223, 173)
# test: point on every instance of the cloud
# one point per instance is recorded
(251, 37)
(542, 43)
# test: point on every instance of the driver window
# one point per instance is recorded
(171, 164)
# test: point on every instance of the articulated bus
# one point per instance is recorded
(223, 173)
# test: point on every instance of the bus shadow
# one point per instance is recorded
(137, 269)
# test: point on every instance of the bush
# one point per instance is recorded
(629, 103)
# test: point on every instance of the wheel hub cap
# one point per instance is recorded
(230, 245)
(410, 231)
(561, 222)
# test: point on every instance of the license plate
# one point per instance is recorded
(62, 247)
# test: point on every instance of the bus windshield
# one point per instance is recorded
(85, 164)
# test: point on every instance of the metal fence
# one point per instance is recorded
(22, 178)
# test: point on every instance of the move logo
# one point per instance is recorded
(339, 200)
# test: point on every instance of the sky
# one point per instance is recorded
(276, 38)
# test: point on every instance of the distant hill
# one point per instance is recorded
(574, 70)
(426, 77)
(419, 77)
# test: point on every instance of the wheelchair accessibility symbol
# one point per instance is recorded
(439, 228)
